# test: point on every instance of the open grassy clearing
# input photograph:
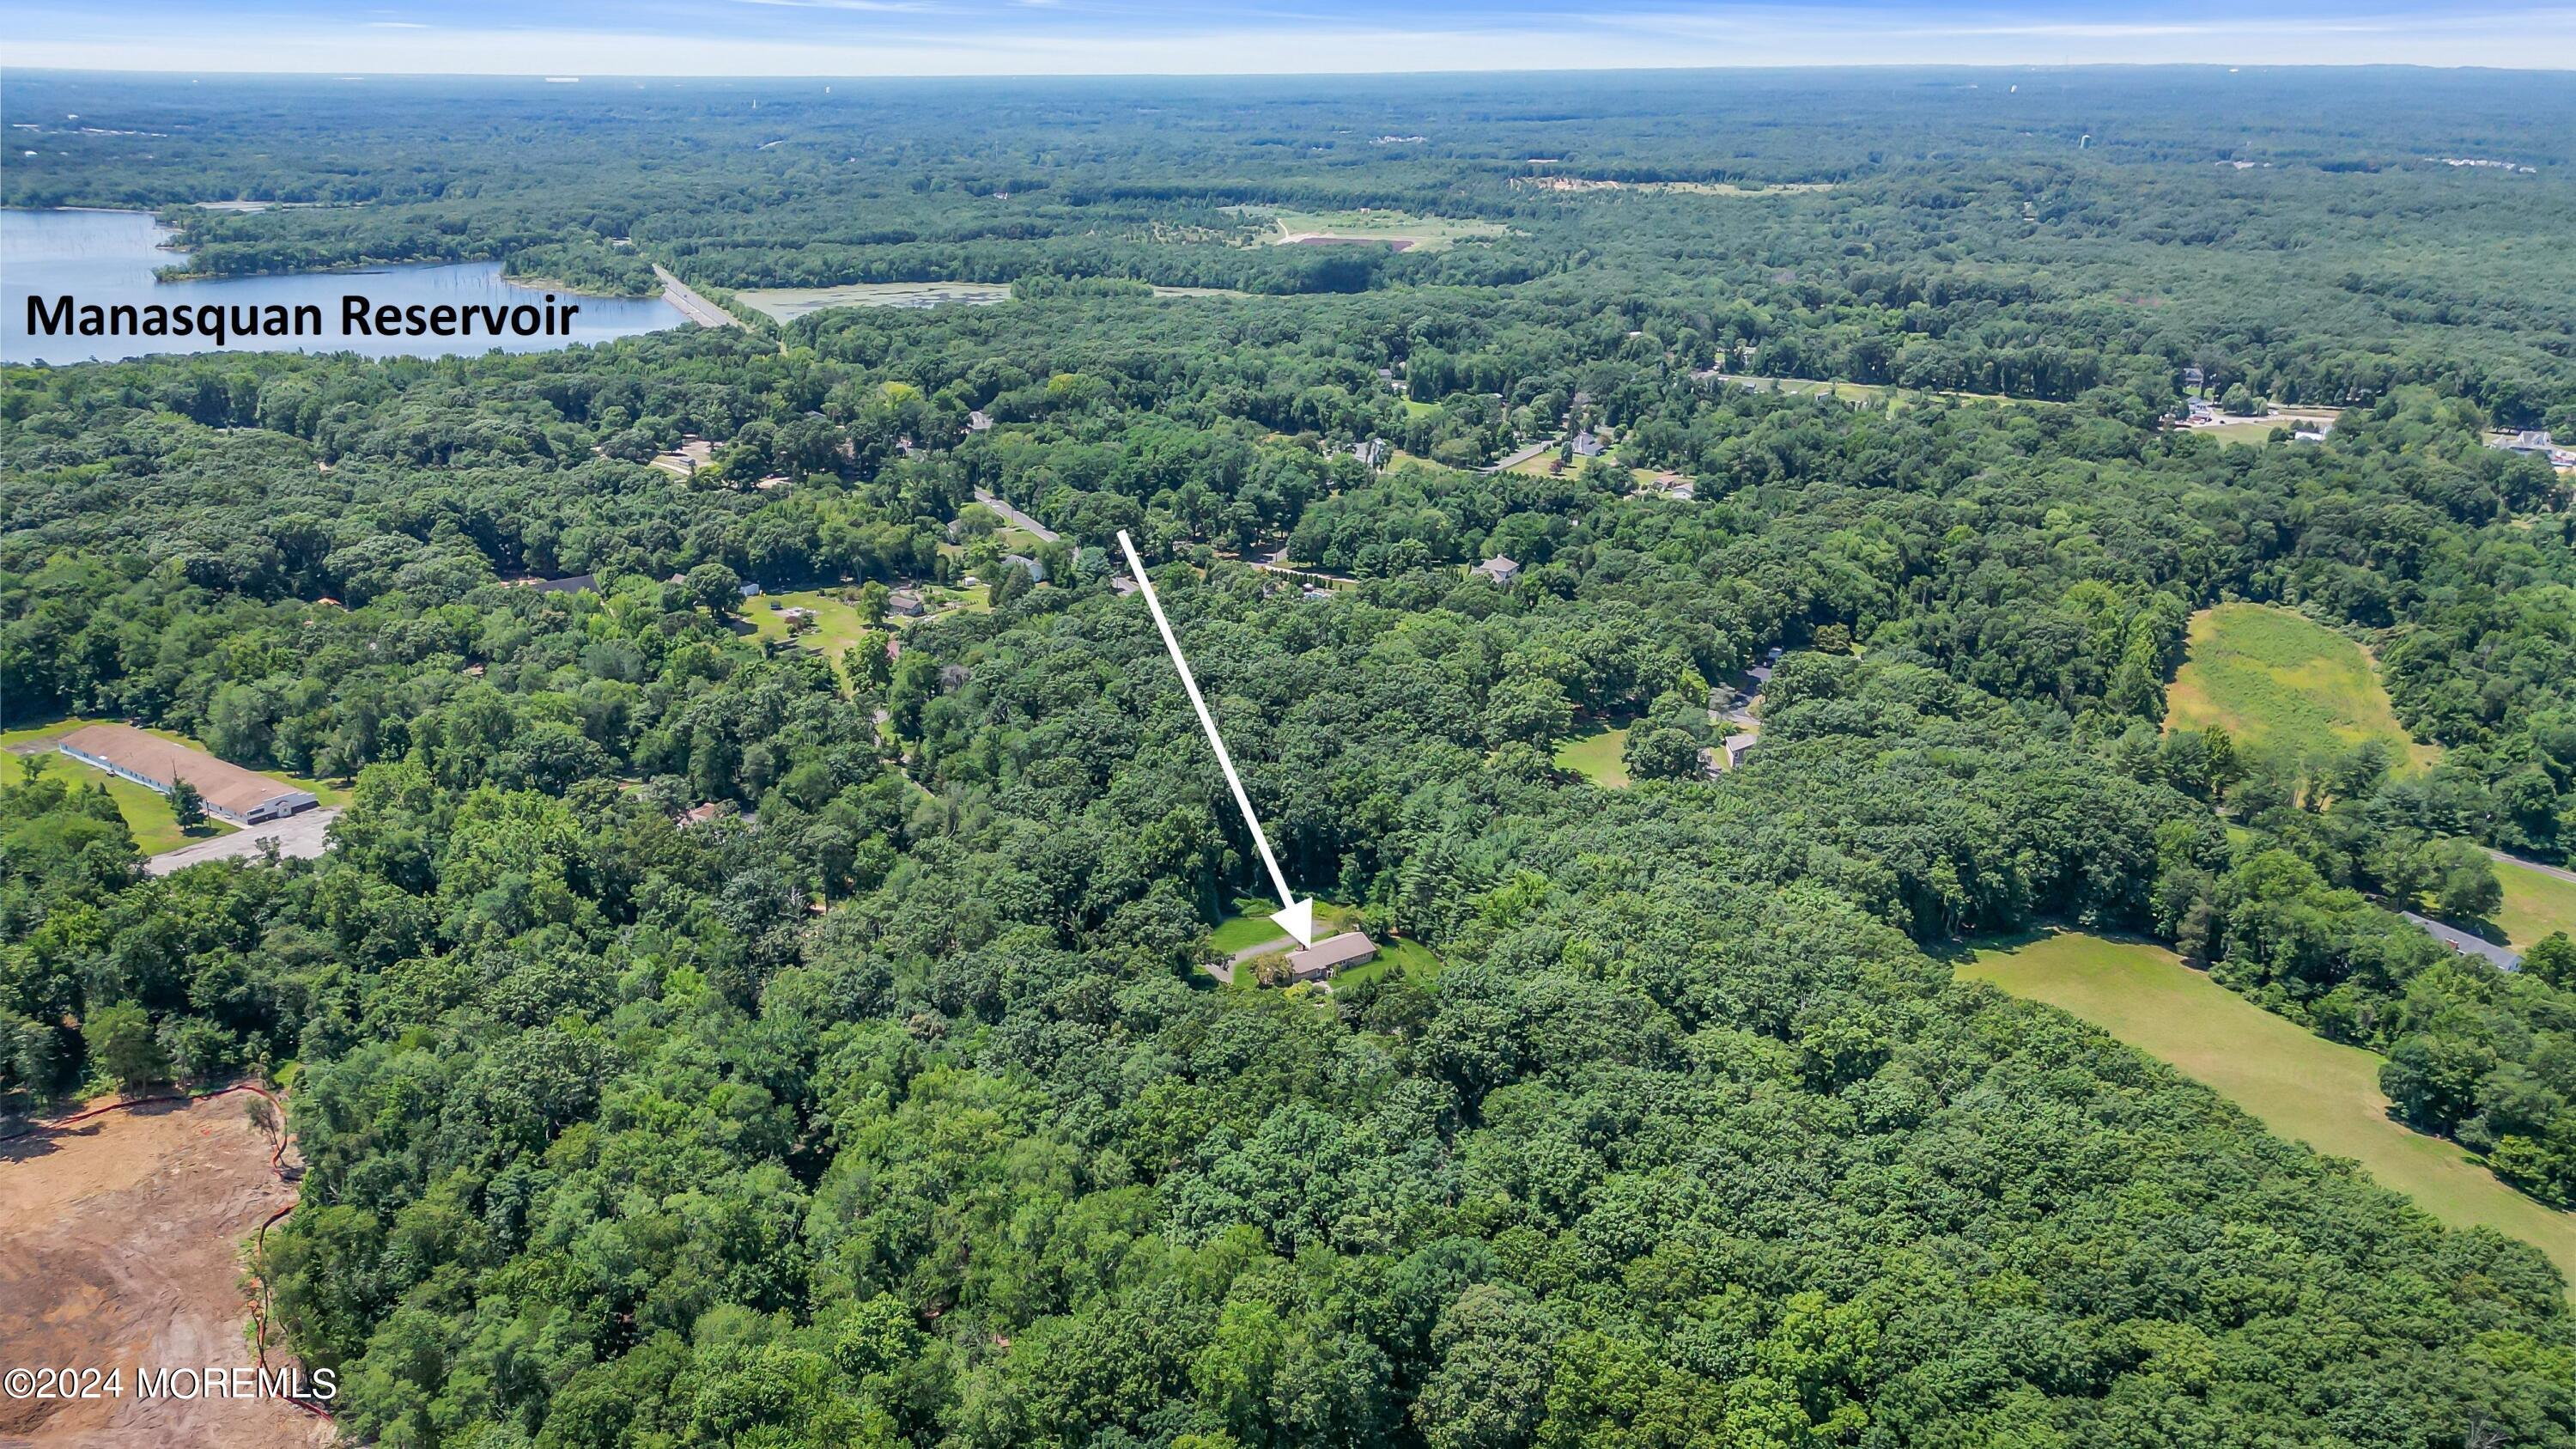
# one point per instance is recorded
(1247, 923)
(1670, 188)
(1412, 233)
(1415, 958)
(1598, 755)
(2535, 904)
(837, 624)
(2279, 682)
(786, 304)
(2299, 1085)
(2252, 432)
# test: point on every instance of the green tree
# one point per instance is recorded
(121, 1043)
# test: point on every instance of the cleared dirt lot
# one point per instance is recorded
(120, 1244)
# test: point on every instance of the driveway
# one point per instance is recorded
(2466, 944)
(299, 836)
(1015, 517)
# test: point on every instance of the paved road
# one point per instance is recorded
(692, 306)
(1523, 456)
(1015, 517)
(2561, 872)
(298, 837)
(2466, 944)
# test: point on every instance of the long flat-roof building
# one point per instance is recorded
(244, 797)
(1329, 955)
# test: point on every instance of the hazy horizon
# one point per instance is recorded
(1021, 38)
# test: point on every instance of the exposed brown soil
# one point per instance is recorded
(121, 1246)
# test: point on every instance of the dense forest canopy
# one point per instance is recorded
(891, 1106)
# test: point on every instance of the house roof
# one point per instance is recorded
(222, 784)
(1331, 953)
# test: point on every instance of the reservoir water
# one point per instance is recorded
(108, 257)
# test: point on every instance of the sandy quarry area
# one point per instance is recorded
(121, 1244)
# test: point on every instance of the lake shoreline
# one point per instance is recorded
(120, 258)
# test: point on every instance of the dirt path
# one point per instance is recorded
(121, 1245)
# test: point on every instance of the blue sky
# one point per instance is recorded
(1114, 37)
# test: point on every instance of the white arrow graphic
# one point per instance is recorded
(1299, 918)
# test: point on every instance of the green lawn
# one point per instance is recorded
(1596, 755)
(1247, 923)
(2249, 432)
(2296, 1083)
(837, 625)
(1416, 959)
(1426, 233)
(786, 304)
(2535, 904)
(2279, 682)
(147, 812)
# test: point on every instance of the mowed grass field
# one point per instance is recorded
(1599, 755)
(2279, 682)
(2298, 1084)
(1425, 233)
(837, 625)
(1415, 958)
(2535, 904)
(786, 304)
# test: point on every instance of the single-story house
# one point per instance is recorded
(1499, 569)
(244, 797)
(1331, 954)
(905, 602)
(1026, 565)
(568, 584)
(1738, 746)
